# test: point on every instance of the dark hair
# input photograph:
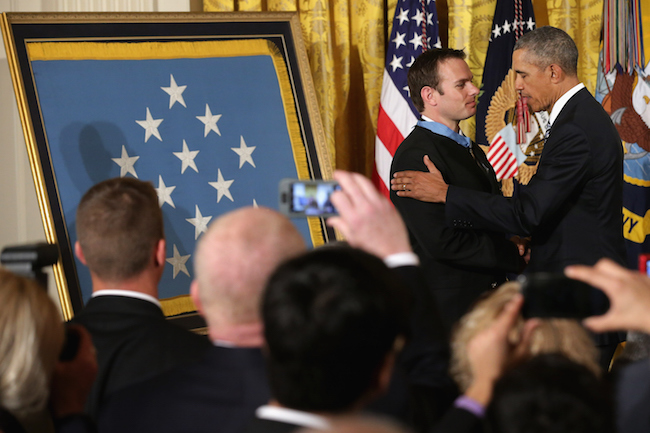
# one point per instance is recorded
(330, 318)
(550, 393)
(119, 222)
(547, 45)
(424, 72)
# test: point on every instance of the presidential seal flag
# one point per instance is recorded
(499, 104)
(415, 29)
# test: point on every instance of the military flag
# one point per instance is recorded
(623, 88)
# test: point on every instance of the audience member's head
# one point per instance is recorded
(333, 319)
(234, 259)
(550, 394)
(566, 336)
(120, 229)
(31, 337)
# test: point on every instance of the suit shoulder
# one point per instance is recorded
(418, 143)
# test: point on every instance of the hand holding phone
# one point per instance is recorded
(556, 295)
(304, 198)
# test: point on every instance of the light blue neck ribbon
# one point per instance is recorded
(443, 130)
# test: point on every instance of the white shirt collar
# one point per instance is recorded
(127, 294)
(223, 343)
(292, 416)
(560, 103)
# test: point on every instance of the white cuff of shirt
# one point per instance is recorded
(402, 259)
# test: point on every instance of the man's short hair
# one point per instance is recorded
(547, 45)
(424, 72)
(551, 393)
(119, 223)
(331, 317)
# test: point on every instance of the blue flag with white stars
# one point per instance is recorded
(210, 133)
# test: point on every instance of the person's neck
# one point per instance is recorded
(239, 335)
(451, 124)
(564, 87)
(141, 283)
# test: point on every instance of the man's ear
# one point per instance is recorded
(556, 72)
(194, 295)
(79, 253)
(428, 95)
(386, 369)
(159, 253)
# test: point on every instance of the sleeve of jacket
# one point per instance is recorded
(561, 172)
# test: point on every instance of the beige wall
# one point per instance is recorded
(20, 220)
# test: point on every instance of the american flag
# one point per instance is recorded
(415, 29)
(210, 133)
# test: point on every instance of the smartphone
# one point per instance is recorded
(304, 198)
(644, 263)
(556, 295)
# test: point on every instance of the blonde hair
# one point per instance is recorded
(565, 336)
(31, 337)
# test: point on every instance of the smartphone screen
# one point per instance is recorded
(303, 198)
(556, 295)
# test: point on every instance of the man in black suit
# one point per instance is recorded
(334, 321)
(221, 391)
(121, 240)
(460, 262)
(571, 207)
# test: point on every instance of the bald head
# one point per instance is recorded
(235, 257)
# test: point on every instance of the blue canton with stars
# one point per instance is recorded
(406, 41)
(209, 133)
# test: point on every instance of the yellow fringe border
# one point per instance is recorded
(192, 50)
(634, 181)
(177, 305)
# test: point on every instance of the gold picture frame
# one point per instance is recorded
(84, 81)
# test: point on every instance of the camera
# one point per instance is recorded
(556, 295)
(28, 260)
(305, 198)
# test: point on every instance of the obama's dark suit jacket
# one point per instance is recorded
(572, 206)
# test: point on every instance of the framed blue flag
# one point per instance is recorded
(213, 109)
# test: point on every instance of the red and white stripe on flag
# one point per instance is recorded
(502, 159)
(415, 28)
(394, 123)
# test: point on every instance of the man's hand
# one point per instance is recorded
(421, 185)
(490, 351)
(73, 379)
(523, 245)
(366, 218)
(628, 292)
